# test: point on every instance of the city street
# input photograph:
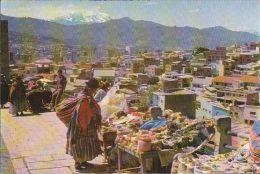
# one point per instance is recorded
(35, 144)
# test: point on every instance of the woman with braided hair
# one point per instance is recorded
(82, 137)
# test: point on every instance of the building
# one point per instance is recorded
(43, 65)
(209, 109)
(173, 80)
(215, 55)
(235, 82)
(201, 82)
(250, 113)
(247, 69)
(204, 70)
(175, 66)
(229, 66)
(153, 70)
(137, 66)
(4, 58)
(140, 78)
(130, 50)
(247, 56)
(104, 73)
(151, 61)
(183, 101)
(86, 66)
(237, 97)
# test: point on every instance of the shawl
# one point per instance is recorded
(17, 90)
(86, 110)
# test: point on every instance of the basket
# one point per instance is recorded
(144, 146)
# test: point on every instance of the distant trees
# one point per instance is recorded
(199, 50)
(113, 52)
(153, 80)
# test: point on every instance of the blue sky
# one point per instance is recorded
(239, 15)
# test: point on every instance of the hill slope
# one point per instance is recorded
(125, 31)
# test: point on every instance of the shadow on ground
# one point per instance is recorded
(5, 161)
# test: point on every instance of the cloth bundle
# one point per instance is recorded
(154, 124)
(254, 141)
(66, 108)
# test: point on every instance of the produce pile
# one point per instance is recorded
(139, 133)
(233, 162)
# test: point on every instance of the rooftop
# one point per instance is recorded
(233, 79)
(178, 92)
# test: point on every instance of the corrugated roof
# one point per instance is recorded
(250, 79)
(242, 79)
(225, 79)
(104, 73)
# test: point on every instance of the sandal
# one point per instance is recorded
(86, 164)
(77, 166)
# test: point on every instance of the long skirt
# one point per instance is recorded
(86, 147)
(19, 105)
(35, 100)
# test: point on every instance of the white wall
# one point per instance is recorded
(249, 109)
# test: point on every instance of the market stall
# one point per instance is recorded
(153, 139)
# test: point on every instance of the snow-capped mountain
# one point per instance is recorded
(79, 18)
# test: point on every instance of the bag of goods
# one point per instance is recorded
(112, 103)
(11, 109)
(144, 143)
(65, 109)
(254, 141)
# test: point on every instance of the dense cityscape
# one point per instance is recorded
(177, 107)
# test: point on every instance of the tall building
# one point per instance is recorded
(4, 58)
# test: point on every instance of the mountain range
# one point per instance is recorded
(122, 32)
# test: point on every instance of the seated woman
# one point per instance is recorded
(47, 94)
(35, 97)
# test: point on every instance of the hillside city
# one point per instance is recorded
(79, 108)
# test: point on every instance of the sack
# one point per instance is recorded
(11, 109)
(65, 109)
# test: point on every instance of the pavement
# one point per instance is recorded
(35, 144)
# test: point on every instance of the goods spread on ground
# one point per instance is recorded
(243, 160)
(233, 162)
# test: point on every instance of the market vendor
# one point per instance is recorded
(59, 90)
(156, 122)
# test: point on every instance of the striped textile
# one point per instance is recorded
(65, 109)
(254, 141)
(86, 147)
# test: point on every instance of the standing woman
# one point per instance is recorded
(82, 138)
(4, 90)
(60, 88)
(18, 95)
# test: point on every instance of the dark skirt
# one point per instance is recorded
(86, 147)
(35, 100)
(4, 93)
